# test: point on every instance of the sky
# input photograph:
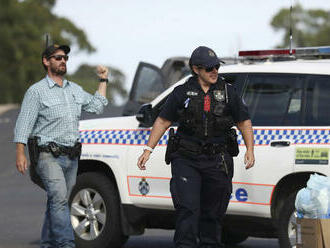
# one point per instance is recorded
(126, 32)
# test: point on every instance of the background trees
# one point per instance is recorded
(23, 28)
(310, 27)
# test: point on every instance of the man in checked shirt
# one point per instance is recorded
(51, 111)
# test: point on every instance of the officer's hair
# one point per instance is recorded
(192, 71)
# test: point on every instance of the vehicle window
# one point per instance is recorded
(150, 85)
(177, 71)
(236, 79)
(274, 99)
(318, 101)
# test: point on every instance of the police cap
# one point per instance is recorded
(52, 48)
(204, 56)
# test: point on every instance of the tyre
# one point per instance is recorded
(287, 224)
(231, 238)
(95, 215)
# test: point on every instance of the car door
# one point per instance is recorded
(312, 152)
(148, 188)
(275, 106)
(148, 83)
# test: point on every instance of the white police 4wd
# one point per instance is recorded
(289, 107)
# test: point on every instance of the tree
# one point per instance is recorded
(24, 24)
(309, 27)
(86, 77)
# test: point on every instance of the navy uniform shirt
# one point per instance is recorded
(177, 98)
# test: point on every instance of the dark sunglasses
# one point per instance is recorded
(59, 57)
(209, 69)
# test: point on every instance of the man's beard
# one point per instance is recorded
(59, 71)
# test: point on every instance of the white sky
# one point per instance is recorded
(126, 32)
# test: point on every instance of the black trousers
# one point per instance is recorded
(200, 188)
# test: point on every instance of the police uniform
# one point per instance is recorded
(202, 168)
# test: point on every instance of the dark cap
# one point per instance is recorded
(52, 48)
(205, 57)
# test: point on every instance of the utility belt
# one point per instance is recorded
(197, 148)
(190, 148)
(58, 150)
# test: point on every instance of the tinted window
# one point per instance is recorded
(318, 101)
(237, 79)
(274, 99)
(149, 85)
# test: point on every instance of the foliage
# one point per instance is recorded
(24, 24)
(87, 78)
(309, 27)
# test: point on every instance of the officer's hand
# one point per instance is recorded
(249, 159)
(102, 71)
(21, 163)
(143, 159)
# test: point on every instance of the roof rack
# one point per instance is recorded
(322, 52)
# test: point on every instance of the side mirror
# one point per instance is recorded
(145, 115)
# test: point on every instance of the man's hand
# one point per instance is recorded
(21, 161)
(249, 159)
(102, 71)
(143, 159)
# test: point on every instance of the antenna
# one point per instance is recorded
(47, 40)
(290, 42)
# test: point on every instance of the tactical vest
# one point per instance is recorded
(195, 122)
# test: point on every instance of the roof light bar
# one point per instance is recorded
(265, 52)
(298, 52)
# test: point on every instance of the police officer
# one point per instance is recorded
(50, 111)
(206, 107)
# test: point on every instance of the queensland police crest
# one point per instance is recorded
(144, 187)
(219, 95)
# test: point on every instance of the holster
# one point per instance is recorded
(231, 143)
(171, 145)
(34, 157)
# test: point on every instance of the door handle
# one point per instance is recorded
(280, 143)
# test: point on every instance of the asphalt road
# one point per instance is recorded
(22, 204)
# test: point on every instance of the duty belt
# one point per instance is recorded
(201, 147)
(58, 150)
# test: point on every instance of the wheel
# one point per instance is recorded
(287, 224)
(95, 215)
(231, 238)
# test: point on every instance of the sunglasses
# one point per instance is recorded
(59, 57)
(209, 69)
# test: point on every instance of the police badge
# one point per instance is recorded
(144, 187)
(219, 95)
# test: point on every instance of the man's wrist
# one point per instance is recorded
(106, 80)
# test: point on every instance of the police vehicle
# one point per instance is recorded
(289, 106)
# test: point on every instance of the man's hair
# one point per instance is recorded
(42, 62)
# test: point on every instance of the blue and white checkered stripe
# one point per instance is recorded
(119, 137)
(261, 136)
(296, 136)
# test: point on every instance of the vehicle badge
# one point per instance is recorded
(211, 54)
(219, 95)
(144, 187)
(192, 93)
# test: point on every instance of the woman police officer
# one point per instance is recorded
(205, 107)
